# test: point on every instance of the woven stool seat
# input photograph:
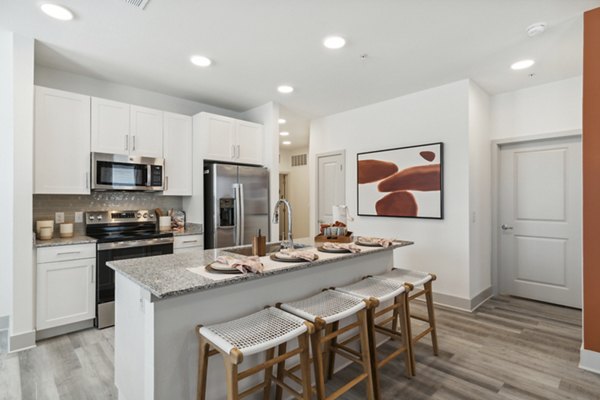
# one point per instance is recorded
(329, 306)
(256, 332)
(380, 289)
(415, 278)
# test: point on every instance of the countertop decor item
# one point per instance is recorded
(401, 182)
(48, 223)
(66, 230)
(45, 233)
(164, 223)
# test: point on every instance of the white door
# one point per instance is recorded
(110, 126)
(218, 135)
(66, 292)
(177, 145)
(250, 143)
(146, 132)
(62, 132)
(331, 185)
(540, 221)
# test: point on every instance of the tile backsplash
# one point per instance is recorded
(45, 205)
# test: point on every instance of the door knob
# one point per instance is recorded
(506, 227)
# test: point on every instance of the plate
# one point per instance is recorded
(218, 268)
(324, 250)
(289, 259)
(359, 243)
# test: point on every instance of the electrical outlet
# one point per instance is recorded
(59, 217)
(78, 216)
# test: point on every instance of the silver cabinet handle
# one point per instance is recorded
(133, 142)
(92, 273)
(232, 151)
(127, 142)
(190, 241)
(238, 151)
(506, 227)
(166, 183)
(64, 253)
(87, 180)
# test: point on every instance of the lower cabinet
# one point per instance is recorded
(188, 244)
(66, 289)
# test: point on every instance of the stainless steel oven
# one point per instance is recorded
(122, 172)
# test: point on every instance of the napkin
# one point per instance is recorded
(345, 246)
(303, 254)
(373, 240)
(248, 264)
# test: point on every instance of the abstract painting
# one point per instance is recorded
(401, 182)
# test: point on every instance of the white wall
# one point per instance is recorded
(480, 236)
(6, 172)
(268, 114)
(434, 115)
(71, 82)
(548, 108)
(297, 183)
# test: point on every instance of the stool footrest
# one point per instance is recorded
(269, 363)
(252, 390)
(347, 353)
(420, 336)
(347, 387)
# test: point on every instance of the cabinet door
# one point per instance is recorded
(66, 292)
(110, 126)
(218, 135)
(146, 132)
(62, 132)
(177, 145)
(250, 142)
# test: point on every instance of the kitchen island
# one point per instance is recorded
(159, 302)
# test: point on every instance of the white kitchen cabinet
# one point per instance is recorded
(66, 289)
(188, 244)
(110, 126)
(231, 140)
(62, 132)
(146, 132)
(177, 146)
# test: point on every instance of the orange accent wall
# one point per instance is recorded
(591, 180)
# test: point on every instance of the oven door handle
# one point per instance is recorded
(134, 243)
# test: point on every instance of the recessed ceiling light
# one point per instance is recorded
(200, 61)
(285, 89)
(523, 64)
(281, 121)
(284, 133)
(57, 12)
(536, 29)
(286, 142)
(334, 42)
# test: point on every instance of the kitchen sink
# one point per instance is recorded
(271, 248)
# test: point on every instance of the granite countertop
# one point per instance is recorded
(167, 275)
(190, 229)
(58, 241)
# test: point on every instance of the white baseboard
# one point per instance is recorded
(461, 303)
(22, 341)
(589, 360)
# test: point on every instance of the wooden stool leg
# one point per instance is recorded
(303, 343)
(396, 315)
(317, 354)
(330, 356)
(431, 317)
(231, 375)
(406, 340)
(413, 363)
(270, 354)
(280, 371)
(373, 350)
(203, 351)
(364, 349)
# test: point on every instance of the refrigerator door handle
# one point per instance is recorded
(238, 216)
(242, 214)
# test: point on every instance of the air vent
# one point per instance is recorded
(138, 3)
(298, 160)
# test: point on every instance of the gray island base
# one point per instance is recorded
(159, 302)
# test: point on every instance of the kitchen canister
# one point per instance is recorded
(342, 214)
(66, 230)
(44, 224)
(164, 223)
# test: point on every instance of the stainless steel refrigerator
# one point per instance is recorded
(236, 204)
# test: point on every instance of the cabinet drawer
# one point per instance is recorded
(61, 253)
(188, 241)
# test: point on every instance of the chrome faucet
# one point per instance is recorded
(290, 243)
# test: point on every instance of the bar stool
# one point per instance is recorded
(325, 310)
(258, 332)
(380, 291)
(422, 282)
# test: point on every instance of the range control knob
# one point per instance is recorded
(152, 216)
(145, 215)
(138, 215)
(99, 218)
(91, 218)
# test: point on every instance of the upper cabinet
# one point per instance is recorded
(177, 144)
(62, 132)
(230, 139)
(120, 128)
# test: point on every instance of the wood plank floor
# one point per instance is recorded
(508, 349)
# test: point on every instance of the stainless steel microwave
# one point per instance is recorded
(121, 172)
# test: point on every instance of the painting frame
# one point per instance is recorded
(441, 181)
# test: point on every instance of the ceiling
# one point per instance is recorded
(257, 45)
